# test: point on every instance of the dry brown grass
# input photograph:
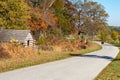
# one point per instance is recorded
(26, 56)
(18, 51)
(17, 55)
(67, 45)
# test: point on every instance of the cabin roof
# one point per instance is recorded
(7, 35)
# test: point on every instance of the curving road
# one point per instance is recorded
(80, 67)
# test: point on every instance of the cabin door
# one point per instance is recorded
(28, 42)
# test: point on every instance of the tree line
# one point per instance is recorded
(54, 17)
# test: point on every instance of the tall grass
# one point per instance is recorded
(18, 51)
(26, 56)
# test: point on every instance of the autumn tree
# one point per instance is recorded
(72, 14)
(42, 17)
(35, 22)
(91, 17)
(44, 7)
(14, 14)
(43, 12)
(114, 35)
(54, 14)
(64, 23)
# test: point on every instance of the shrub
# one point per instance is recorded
(42, 40)
(114, 35)
(82, 45)
(3, 53)
(38, 52)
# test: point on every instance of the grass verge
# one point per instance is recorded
(8, 64)
(112, 71)
(116, 44)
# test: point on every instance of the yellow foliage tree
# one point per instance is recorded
(14, 14)
(114, 35)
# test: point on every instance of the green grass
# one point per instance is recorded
(116, 44)
(112, 71)
(10, 64)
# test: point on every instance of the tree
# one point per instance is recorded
(43, 4)
(14, 14)
(41, 8)
(91, 17)
(71, 13)
(94, 16)
(35, 22)
(77, 12)
(64, 23)
(114, 35)
(102, 35)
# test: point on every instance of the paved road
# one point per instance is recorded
(85, 67)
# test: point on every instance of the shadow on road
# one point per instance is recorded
(94, 56)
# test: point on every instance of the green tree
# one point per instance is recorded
(63, 19)
(102, 35)
(13, 14)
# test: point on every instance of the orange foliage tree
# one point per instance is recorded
(35, 22)
(41, 21)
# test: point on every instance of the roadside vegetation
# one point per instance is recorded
(112, 71)
(16, 56)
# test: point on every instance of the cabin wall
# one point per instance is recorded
(29, 41)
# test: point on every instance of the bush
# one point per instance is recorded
(3, 53)
(82, 45)
(114, 35)
(42, 40)
(38, 52)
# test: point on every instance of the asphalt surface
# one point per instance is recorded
(79, 67)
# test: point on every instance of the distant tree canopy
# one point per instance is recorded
(14, 14)
(114, 28)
